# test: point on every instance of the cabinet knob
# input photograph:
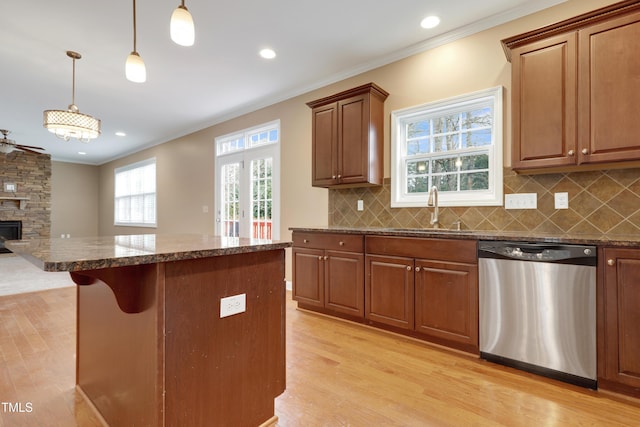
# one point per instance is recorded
(333, 177)
(585, 151)
(305, 241)
(417, 269)
(571, 153)
(339, 176)
(320, 258)
(408, 268)
(326, 257)
(341, 243)
(611, 262)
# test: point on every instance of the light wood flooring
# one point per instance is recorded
(338, 374)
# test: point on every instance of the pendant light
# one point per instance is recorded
(181, 27)
(72, 123)
(134, 68)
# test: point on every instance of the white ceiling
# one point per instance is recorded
(220, 77)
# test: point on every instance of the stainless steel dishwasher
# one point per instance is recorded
(538, 308)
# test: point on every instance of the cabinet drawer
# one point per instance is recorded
(415, 247)
(331, 241)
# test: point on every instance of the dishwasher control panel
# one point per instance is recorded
(543, 252)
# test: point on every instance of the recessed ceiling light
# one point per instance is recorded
(121, 134)
(82, 153)
(267, 53)
(430, 22)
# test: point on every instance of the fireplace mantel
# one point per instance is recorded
(21, 202)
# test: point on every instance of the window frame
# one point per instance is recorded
(493, 196)
(126, 168)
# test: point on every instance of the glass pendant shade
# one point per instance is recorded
(182, 28)
(135, 69)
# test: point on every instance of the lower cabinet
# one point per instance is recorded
(328, 273)
(434, 297)
(389, 291)
(423, 287)
(447, 301)
(619, 320)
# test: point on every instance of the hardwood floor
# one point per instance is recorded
(338, 374)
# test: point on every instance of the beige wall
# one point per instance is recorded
(185, 166)
(74, 199)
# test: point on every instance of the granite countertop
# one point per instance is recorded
(92, 253)
(580, 239)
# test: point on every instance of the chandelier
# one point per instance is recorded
(71, 123)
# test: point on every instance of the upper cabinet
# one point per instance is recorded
(576, 90)
(348, 138)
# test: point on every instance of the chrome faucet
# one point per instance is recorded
(433, 201)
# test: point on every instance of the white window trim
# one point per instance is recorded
(244, 133)
(491, 197)
(131, 166)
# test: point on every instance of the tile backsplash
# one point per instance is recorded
(599, 202)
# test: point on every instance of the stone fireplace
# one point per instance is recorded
(25, 193)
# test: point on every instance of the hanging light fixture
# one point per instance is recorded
(72, 123)
(134, 68)
(182, 29)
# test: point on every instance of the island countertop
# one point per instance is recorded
(92, 253)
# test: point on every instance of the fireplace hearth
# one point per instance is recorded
(9, 230)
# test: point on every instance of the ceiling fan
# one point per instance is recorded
(8, 145)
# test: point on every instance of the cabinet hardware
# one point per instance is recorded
(571, 153)
(306, 241)
(418, 269)
(341, 243)
(408, 268)
(320, 258)
(333, 177)
(339, 176)
(611, 262)
(585, 151)
(326, 257)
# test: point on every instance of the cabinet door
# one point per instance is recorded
(544, 103)
(609, 90)
(447, 301)
(389, 291)
(353, 140)
(344, 282)
(308, 276)
(325, 145)
(620, 348)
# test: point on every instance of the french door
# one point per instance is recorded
(247, 202)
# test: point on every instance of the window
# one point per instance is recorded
(135, 194)
(248, 176)
(454, 145)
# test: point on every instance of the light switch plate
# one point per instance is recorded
(521, 201)
(360, 205)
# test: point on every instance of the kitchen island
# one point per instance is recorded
(152, 346)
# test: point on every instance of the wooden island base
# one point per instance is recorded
(152, 349)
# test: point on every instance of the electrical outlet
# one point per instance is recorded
(233, 305)
(561, 200)
(521, 201)
(360, 205)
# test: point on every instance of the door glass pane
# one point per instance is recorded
(261, 198)
(230, 213)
